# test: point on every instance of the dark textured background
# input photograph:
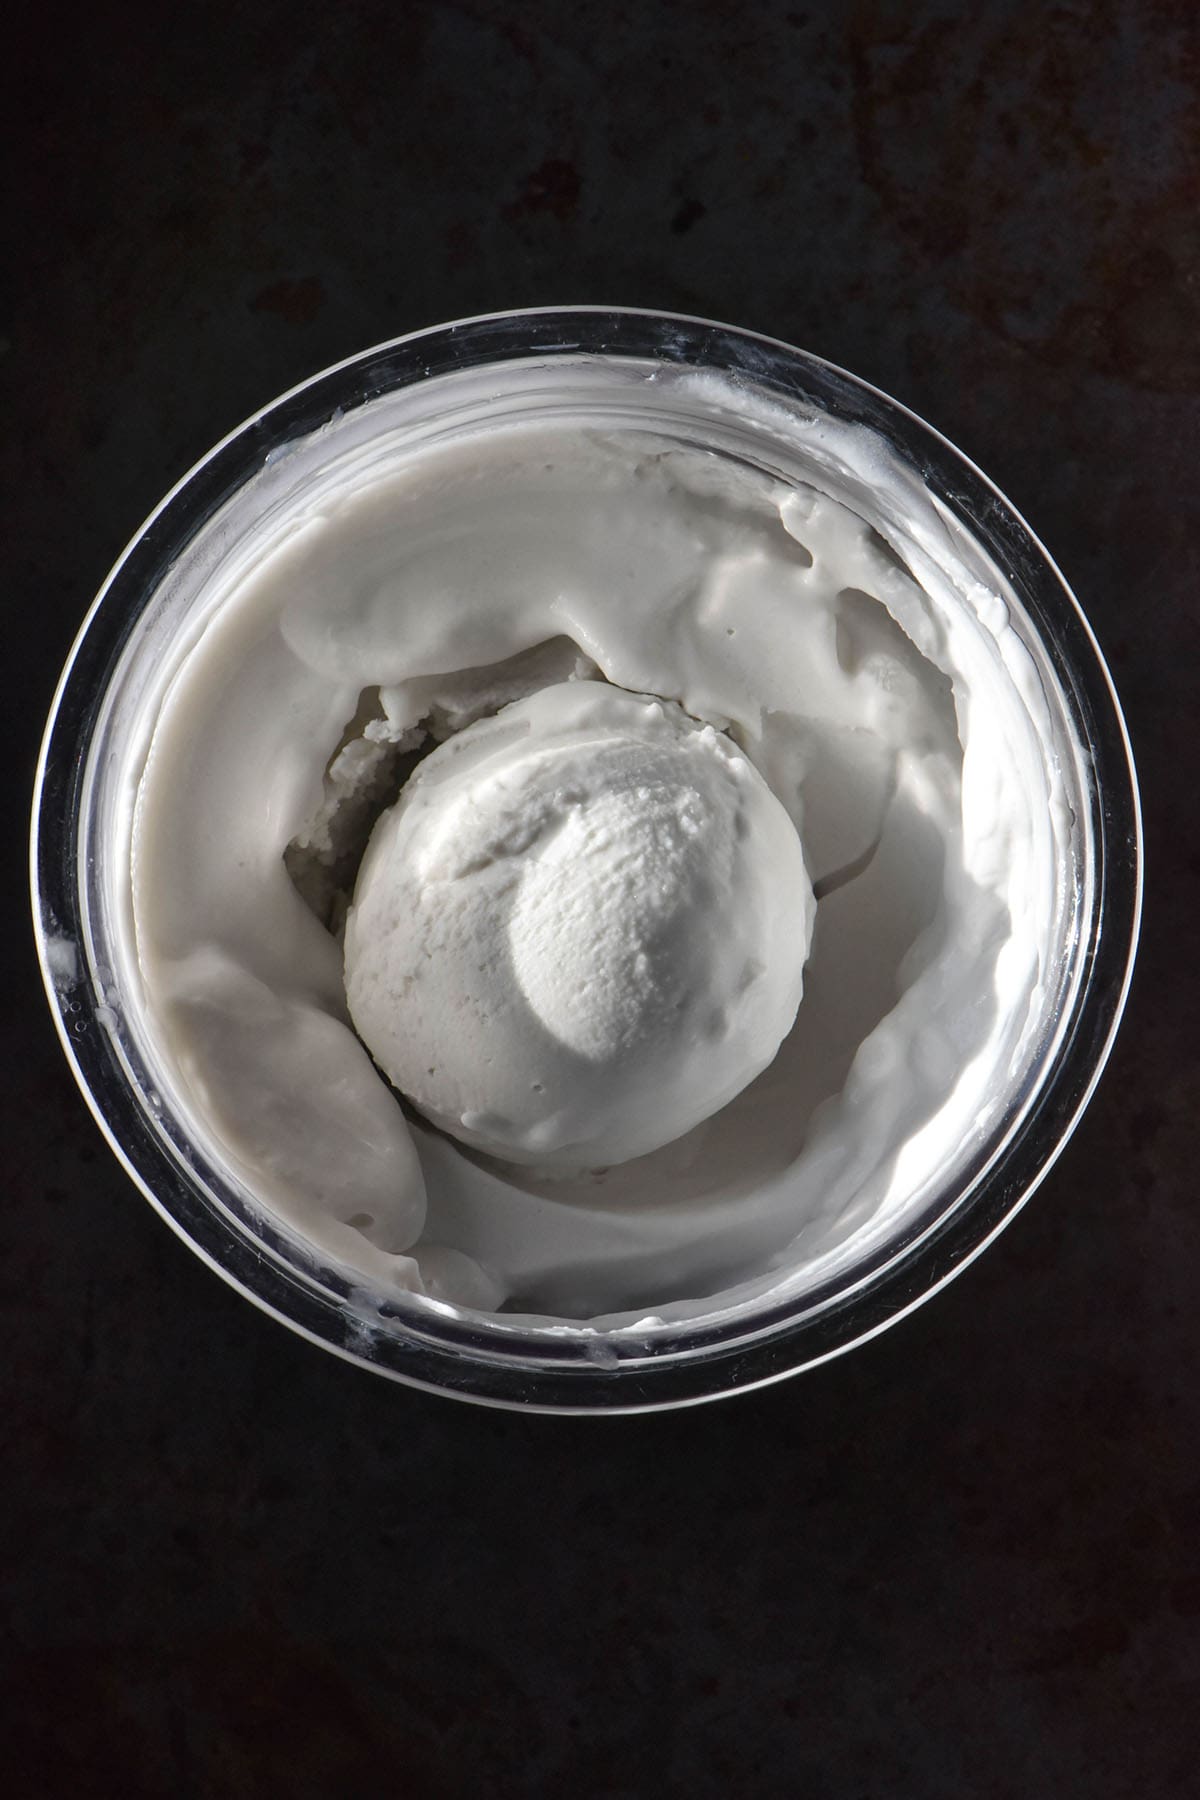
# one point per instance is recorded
(961, 1561)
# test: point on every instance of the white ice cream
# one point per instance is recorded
(519, 538)
(580, 931)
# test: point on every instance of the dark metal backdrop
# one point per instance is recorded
(959, 1562)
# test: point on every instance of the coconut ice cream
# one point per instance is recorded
(587, 872)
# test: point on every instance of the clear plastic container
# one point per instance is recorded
(155, 591)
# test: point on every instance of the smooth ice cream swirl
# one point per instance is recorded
(436, 576)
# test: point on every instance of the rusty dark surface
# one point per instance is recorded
(962, 1561)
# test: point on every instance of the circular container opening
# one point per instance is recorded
(745, 403)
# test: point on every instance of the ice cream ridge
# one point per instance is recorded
(583, 875)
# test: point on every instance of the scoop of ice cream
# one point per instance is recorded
(581, 930)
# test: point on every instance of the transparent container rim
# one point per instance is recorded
(482, 1373)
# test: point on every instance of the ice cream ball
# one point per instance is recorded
(581, 929)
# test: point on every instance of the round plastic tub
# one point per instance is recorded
(78, 846)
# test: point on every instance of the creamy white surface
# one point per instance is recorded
(897, 724)
(580, 931)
